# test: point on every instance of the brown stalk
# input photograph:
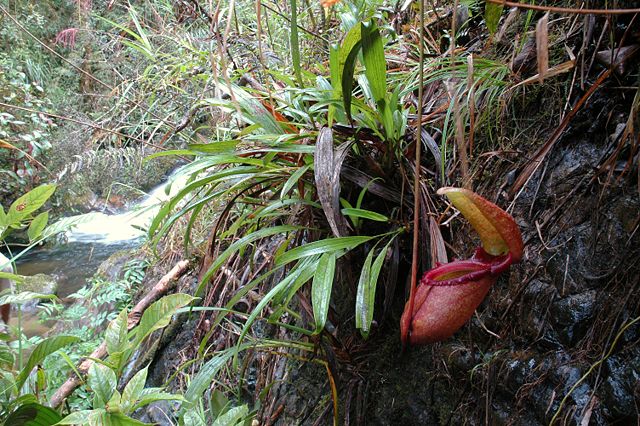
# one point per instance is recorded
(565, 9)
(542, 46)
(416, 176)
(459, 133)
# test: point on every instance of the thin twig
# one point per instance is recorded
(299, 26)
(565, 9)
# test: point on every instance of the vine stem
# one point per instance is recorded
(555, 9)
(416, 184)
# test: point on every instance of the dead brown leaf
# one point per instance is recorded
(542, 46)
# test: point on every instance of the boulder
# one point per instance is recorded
(39, 283)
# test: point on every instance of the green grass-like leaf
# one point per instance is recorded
(321, 289)
(365, 214)
(320, 247)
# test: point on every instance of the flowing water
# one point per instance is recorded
(88, 245)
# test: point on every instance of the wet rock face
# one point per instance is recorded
(621, 387)
(570, 315)
(556, 315)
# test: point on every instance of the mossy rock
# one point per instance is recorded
(39, 283)
(111, 269)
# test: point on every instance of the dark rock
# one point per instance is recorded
(620, 388)
(569, 313)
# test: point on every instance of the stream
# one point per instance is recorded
(89, 244)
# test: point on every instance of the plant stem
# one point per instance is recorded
(19, 338)
(565, 9)
(416, 180)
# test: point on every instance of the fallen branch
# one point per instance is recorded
(158, 290)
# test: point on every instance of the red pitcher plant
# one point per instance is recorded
(449, 294)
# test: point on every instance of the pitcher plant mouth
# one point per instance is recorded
(449, 294)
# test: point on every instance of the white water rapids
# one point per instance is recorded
(109, 229)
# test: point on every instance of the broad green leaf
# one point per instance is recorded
(194, 417)
(119, 419)
(4, 222)
(37, 226)
(334, 69)
(24, 297)
(374, 62)
(293, 179)
(299, 276)
(370, 293)
(84, 417)
(99, 417)
(113, 405)
(365, 214)
(364, 306)
(496, 228)
(492, 13)
(347, 79)
(116, 334)
(7, 384)
(33, 414)
(159, 314)
(41, 351)
(132, 392)
(320, 247)
(29, 203)
(7, 358)
(196, 185)
(218, 402)
(102, 381)
(233, 417)
(215, 147)
(321, 289)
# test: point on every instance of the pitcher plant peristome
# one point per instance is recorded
(449, 294)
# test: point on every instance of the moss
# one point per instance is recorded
(39, 283)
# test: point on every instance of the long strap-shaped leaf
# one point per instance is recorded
(327, 165)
